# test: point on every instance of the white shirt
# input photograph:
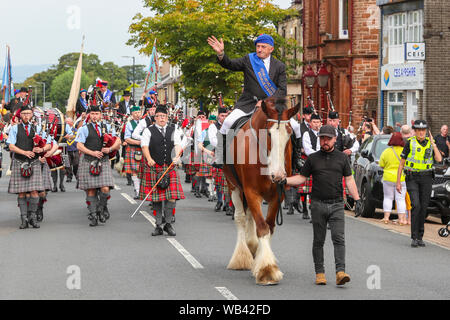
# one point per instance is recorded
(137, 133)
(267, 63)
(307, 145)
(296, 128)
(146, 136)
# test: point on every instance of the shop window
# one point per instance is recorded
(343, 19)
(395, 108)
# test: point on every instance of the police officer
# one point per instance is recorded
(417, 160)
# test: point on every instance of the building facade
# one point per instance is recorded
(414, 49)
(292, 28)
(341, 42)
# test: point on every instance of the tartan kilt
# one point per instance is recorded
(204, 170)
(219, 180)
(140, 172)
(190, 168)
(46, 173)
(130, 165)
(19, 184)
(173, 192)
(87, 181)
(305, 187)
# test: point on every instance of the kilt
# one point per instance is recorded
(140, 173)
(46, 173)
(305, 187)
(190, 168)
(130, 165)
(19, 184)
(204, 170)
(219, 180)
(87, 181)
(173, 192)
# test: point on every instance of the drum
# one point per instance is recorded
(54, 119)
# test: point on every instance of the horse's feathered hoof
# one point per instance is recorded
(242, 259)
(269, 275)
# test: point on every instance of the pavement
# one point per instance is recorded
(66, 259)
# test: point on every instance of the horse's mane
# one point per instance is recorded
(279, 102)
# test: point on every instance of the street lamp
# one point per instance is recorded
(322, 76)
(309, 78)
(134, 62)
(43, 83)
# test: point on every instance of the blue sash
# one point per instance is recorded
(108, 96)
(261, 74)
(84, 103)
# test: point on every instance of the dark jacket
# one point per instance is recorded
(79, 107)
(122, 108)
(277, 74)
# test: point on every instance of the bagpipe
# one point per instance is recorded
(347, 140)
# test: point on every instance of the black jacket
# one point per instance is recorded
(122, 108)
(79, 107)
(277, 74)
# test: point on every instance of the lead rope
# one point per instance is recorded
(280, 191)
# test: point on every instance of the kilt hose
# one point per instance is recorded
(87, 181)
(19, 184)
(130, 165)
(173, 192)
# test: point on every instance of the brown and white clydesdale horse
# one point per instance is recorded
(251, 181)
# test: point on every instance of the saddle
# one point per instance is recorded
(237, 125)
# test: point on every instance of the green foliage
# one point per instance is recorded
(182, 27)
(61, 85)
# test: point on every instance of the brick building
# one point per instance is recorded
(343, 37)
(292, 28)
(414, 48)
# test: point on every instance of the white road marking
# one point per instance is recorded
(148, 217)
(185, 253)
(117, 187)
(131, 200)
(226, 293)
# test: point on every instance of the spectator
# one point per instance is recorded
(370, 129)
(388, 130)
(406, 132)
(443, 141)
(390, 160)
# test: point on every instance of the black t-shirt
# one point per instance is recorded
(441, 144)
(407, 147)
(327, 170)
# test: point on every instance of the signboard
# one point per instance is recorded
(415, 51)
(406, 76)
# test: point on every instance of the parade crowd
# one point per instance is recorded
(149, 142)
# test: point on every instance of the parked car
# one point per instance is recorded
(368, 177)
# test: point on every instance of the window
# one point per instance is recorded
(403, 27)
(343, 19)
(395, 108)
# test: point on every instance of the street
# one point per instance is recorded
(121, 260)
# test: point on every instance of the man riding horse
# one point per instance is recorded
(264, 76)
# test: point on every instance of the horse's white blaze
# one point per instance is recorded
(242, 258)
(265, 258)
(279, 138)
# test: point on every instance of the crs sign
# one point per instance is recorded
(415, 51)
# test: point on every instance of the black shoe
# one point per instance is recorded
(230, 212)
(218, 206)
(34, 224)
(69, 180)
(94, 221)
(197, 194)
(61, 187)
(163, 219)
(55, 189)
(291, 210)
(157, 232)
(225, 207)
(414, 243)
(173, 219)
(306, 215)
(39, 215)
(420, 243)
(24, 224)
(168, 228)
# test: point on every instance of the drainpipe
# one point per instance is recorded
(380, 77)
(351, 58)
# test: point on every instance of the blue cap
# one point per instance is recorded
(16, 91)
(264, 38)
(152, 92)
(83, 90)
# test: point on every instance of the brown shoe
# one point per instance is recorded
(342, 278)
(320, 279)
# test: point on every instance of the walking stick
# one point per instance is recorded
(156, 184)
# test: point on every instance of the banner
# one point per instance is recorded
(7, 84)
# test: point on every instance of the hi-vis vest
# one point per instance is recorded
(419, 158)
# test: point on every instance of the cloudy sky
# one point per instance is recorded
(39, 32)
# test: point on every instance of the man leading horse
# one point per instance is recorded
(264, 76)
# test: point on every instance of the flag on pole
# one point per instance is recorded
(75, 90)
(153, 75)
(7, 84)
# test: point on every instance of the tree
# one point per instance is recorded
(61, 85)
(181, 28)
